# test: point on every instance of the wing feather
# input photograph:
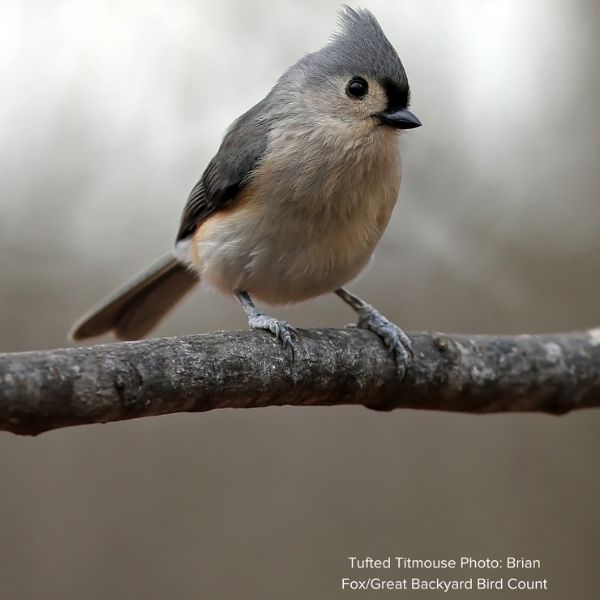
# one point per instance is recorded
(228, 172)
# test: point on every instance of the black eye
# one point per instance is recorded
(357, 87)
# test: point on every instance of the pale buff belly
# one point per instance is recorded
(281, 259)
(288, 244)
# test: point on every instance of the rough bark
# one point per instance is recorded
(45, 390)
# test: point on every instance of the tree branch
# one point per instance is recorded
(40, 391)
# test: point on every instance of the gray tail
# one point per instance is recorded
(138, 305)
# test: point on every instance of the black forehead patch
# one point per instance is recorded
(398, 95)
(360, 48)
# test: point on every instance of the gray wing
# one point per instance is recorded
(228, 172)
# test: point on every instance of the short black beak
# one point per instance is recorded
(400, 119)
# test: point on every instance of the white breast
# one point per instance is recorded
(308, 221)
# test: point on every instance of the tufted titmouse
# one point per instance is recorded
(295, 200)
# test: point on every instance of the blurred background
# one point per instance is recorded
(110, 111)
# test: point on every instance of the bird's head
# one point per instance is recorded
(357, 78)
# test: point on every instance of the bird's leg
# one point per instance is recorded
(396, 341)
(282, 330)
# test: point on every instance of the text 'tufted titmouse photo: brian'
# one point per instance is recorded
(295, 200)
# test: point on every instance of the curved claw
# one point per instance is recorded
(396, 341)
(282, 330)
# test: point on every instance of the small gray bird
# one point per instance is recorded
(295, 200)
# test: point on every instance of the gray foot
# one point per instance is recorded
(395, 340)
(282, 330)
